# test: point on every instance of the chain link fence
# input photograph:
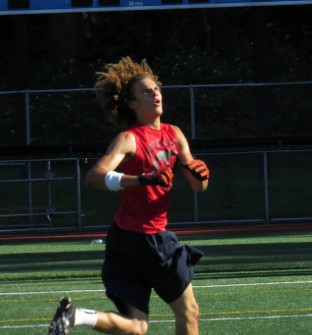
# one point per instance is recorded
(39, 193)
(263, 185)
(246, 187)
(202, 111)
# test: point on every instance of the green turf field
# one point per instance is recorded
(252, 284)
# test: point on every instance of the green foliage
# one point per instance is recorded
(183, 46)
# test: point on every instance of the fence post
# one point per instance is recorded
(195, 198)
(29, 172)
(192, 110)
(27, 111)
(49, 176)
(78, 176)
(193, 134)
(30, 198)
(266, 187)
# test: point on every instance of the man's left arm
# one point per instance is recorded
(195, 171)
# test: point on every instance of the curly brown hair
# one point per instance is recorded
(115, 85)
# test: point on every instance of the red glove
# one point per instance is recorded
(161, 177)
(197, 168)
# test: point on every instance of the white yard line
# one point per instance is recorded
(195, 287)
(172, 320)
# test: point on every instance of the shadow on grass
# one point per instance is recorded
(247, 260)
(220, 261)
(56, 261)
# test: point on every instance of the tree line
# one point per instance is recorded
(220, 45)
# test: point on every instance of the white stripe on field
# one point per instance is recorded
(258, 317)
(24, 326)
(49, 292)
(255, 284)
(172, 320)
(195, 287)
(241, 318)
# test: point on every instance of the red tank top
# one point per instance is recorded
(144, 208)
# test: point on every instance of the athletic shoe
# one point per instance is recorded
(64, 318)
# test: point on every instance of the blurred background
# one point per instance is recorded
(237, 80)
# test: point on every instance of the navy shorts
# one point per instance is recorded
(136, 263)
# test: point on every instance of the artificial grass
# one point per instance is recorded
(252, 284)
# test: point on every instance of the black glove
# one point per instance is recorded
(161, 177)
(197, 168)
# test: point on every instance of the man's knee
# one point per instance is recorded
(196, 311)
(140, 327)
(190, 314)
(193, 311)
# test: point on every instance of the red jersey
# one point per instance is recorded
(144, 207)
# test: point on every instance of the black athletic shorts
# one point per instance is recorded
(136, 263)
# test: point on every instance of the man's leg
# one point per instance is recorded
(67, 316)
(186, 313)
(113, 323)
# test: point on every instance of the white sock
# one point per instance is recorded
(85, 317)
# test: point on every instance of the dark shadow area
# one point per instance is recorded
(232, 260)
(255, 260)
(47, 261)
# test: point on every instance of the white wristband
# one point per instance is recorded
(112, 180)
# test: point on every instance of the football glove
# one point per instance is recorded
(197, 168)
(162, 177)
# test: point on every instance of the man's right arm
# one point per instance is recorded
(122, 146)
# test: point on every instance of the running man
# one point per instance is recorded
(141, 254)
